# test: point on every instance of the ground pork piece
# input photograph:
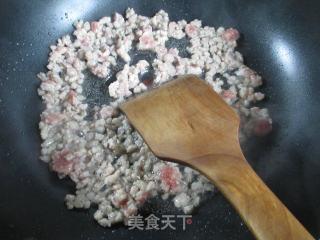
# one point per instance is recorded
(48, 85)
(191, 30)
(95, 26)
(160, 20)
(163, 71)
(101, 70)
(118, 20)
(231, 34)
(123, 47)
(170, 177)
(181, 200)
(262, 127)
(194, 69)
(127, 79)
(71, 97)
(63, 162)
(230, 95)
(175, 30)
(106, 112)
(146, 42)
(51, 117)
(143, 196)
(143, 86)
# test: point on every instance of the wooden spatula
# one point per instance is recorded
(186, 121)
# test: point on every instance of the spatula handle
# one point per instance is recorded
(263, 212)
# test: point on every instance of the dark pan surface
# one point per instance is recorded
(280, 40)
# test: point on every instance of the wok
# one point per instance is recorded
(279, 39)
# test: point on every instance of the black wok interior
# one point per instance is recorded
(279, 39)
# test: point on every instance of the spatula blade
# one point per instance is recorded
(184, 117)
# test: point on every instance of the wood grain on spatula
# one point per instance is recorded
(186, 121)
